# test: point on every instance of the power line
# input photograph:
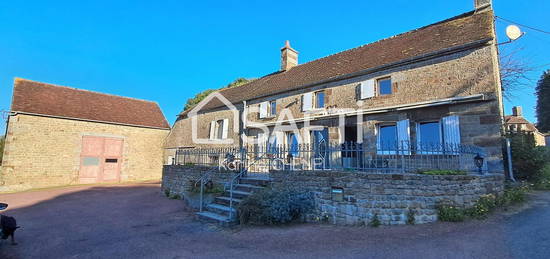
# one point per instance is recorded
(532, 28)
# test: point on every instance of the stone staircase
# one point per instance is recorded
(218, 211)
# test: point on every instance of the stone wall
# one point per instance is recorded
(388, 195)
(43, 152)
(178, 179)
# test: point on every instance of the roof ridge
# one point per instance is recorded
(82, 90)
(456, 17)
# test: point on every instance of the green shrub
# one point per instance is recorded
(209, 187)
(274, 207)
(375, 221)
(167, 192)
(512, 196)
(542, 181)
(483, 206)
(410, 217)
(443, 172)
(450, 213)
(528, 160)
(175, 197)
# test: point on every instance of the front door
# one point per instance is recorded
(100, 159)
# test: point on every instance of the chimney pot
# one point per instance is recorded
(482, 3)
(289, 57)
(517, 111)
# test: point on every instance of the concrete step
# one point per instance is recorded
(258, 181)
(224, 200)
(238, 194)
(248, 187)
(221, 209)
(212, 217)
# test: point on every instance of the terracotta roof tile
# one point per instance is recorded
(457, 31)
(47, 99)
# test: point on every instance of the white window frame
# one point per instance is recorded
(316, 100)
(271, 112)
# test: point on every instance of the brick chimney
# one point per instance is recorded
(289, 57)
(517, 111)
(482, 3)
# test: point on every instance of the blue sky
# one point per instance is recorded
(167, 51)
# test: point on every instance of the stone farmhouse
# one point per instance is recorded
(439, 84)
(517, 123)
(58, 135)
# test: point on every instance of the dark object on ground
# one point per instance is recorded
(8, 225)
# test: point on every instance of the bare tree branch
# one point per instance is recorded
(513, 73)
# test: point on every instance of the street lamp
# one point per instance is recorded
(478, 160)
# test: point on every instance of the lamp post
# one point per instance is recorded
(478, 160)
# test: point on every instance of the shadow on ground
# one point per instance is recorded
(137, 221)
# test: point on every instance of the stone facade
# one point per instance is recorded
(178, 179)
(44, 151)
(464, 82)
(390, 196)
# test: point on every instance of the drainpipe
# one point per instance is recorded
(242, 131)
(509, 156)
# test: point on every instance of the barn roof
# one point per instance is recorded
(39, 98)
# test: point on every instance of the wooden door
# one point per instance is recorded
(91, 159)
(111, 160)
(100, 159)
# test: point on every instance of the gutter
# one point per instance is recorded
(86, 120)
(403, 107)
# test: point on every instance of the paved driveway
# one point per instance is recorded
(136, 221)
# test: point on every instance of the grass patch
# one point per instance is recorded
(443, 172)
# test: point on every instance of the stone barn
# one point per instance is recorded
(58, 135)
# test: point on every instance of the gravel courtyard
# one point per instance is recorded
(137, 221)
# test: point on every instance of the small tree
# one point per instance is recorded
(543, 102)
(191, 102)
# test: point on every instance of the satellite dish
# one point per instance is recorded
(513, 32)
